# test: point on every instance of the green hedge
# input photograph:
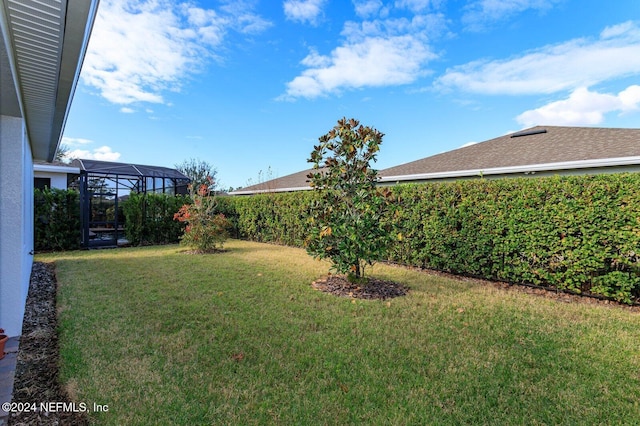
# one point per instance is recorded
(278, 218)
(579, 233)
(149, 218)
(56, 219)
(573, 233)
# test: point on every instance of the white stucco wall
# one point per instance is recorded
(16, 219)
(58, 180)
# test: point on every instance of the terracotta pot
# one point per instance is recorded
(3, 340)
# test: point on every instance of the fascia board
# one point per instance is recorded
(55, 169)
(266, 191)
(565, 165)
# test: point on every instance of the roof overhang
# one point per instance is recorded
(526, 169)
(54, 168)
(43, 46)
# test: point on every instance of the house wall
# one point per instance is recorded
(58, 180)
(16, 219)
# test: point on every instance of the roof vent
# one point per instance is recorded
(528, 132)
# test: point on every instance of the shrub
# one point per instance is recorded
(56, 219)
(149, 218)
(206, 230)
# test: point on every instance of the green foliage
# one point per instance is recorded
(149, 218)
(200, 172)
(276, 218)
(345, 223)
(579, 233)
(56, 219)
(206, 229)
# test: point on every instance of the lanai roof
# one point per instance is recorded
(123, 169)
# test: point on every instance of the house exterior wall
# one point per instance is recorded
(58, 180)
(16, 220)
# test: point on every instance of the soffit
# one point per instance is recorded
(46, 40)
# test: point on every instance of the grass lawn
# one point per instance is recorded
(164, 337)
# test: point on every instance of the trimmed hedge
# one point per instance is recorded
(573, 233)
(577, 233)
(277, 218)
(149, 218)
(56, 219)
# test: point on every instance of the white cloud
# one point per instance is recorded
(367, 8)
(582, 107)
(374, 61)
(103, 153)
(303, 10)
(127, 110)
(75, 141)
(482, 13)
(566, 66)
(385, 51)
(142, 48)
(418, 6)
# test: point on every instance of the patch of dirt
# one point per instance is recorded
(373, 289)
(36, 379)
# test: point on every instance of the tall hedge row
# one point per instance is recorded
(578, 233)
(277, 218)
(56, 219)
(149, 218)
(575, 233)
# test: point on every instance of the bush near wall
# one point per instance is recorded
(149, 218)
(56, 219)
(579, 233)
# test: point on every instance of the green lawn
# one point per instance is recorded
(164, 337)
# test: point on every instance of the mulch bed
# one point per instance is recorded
(36, 379)
(374, 289)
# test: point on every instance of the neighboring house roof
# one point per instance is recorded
(124, 169)
(43, 45)
(293, 182)
(538, 149)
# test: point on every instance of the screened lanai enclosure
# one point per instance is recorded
(103, 187)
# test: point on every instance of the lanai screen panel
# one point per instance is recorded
(104, 185)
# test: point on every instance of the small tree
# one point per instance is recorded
(345, 223)
(206, 230)
(62, 154)
(200, 172)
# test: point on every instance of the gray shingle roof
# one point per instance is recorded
(293, 182)
(539, 145)
(540, 148)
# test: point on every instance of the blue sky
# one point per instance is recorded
(250, 85)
